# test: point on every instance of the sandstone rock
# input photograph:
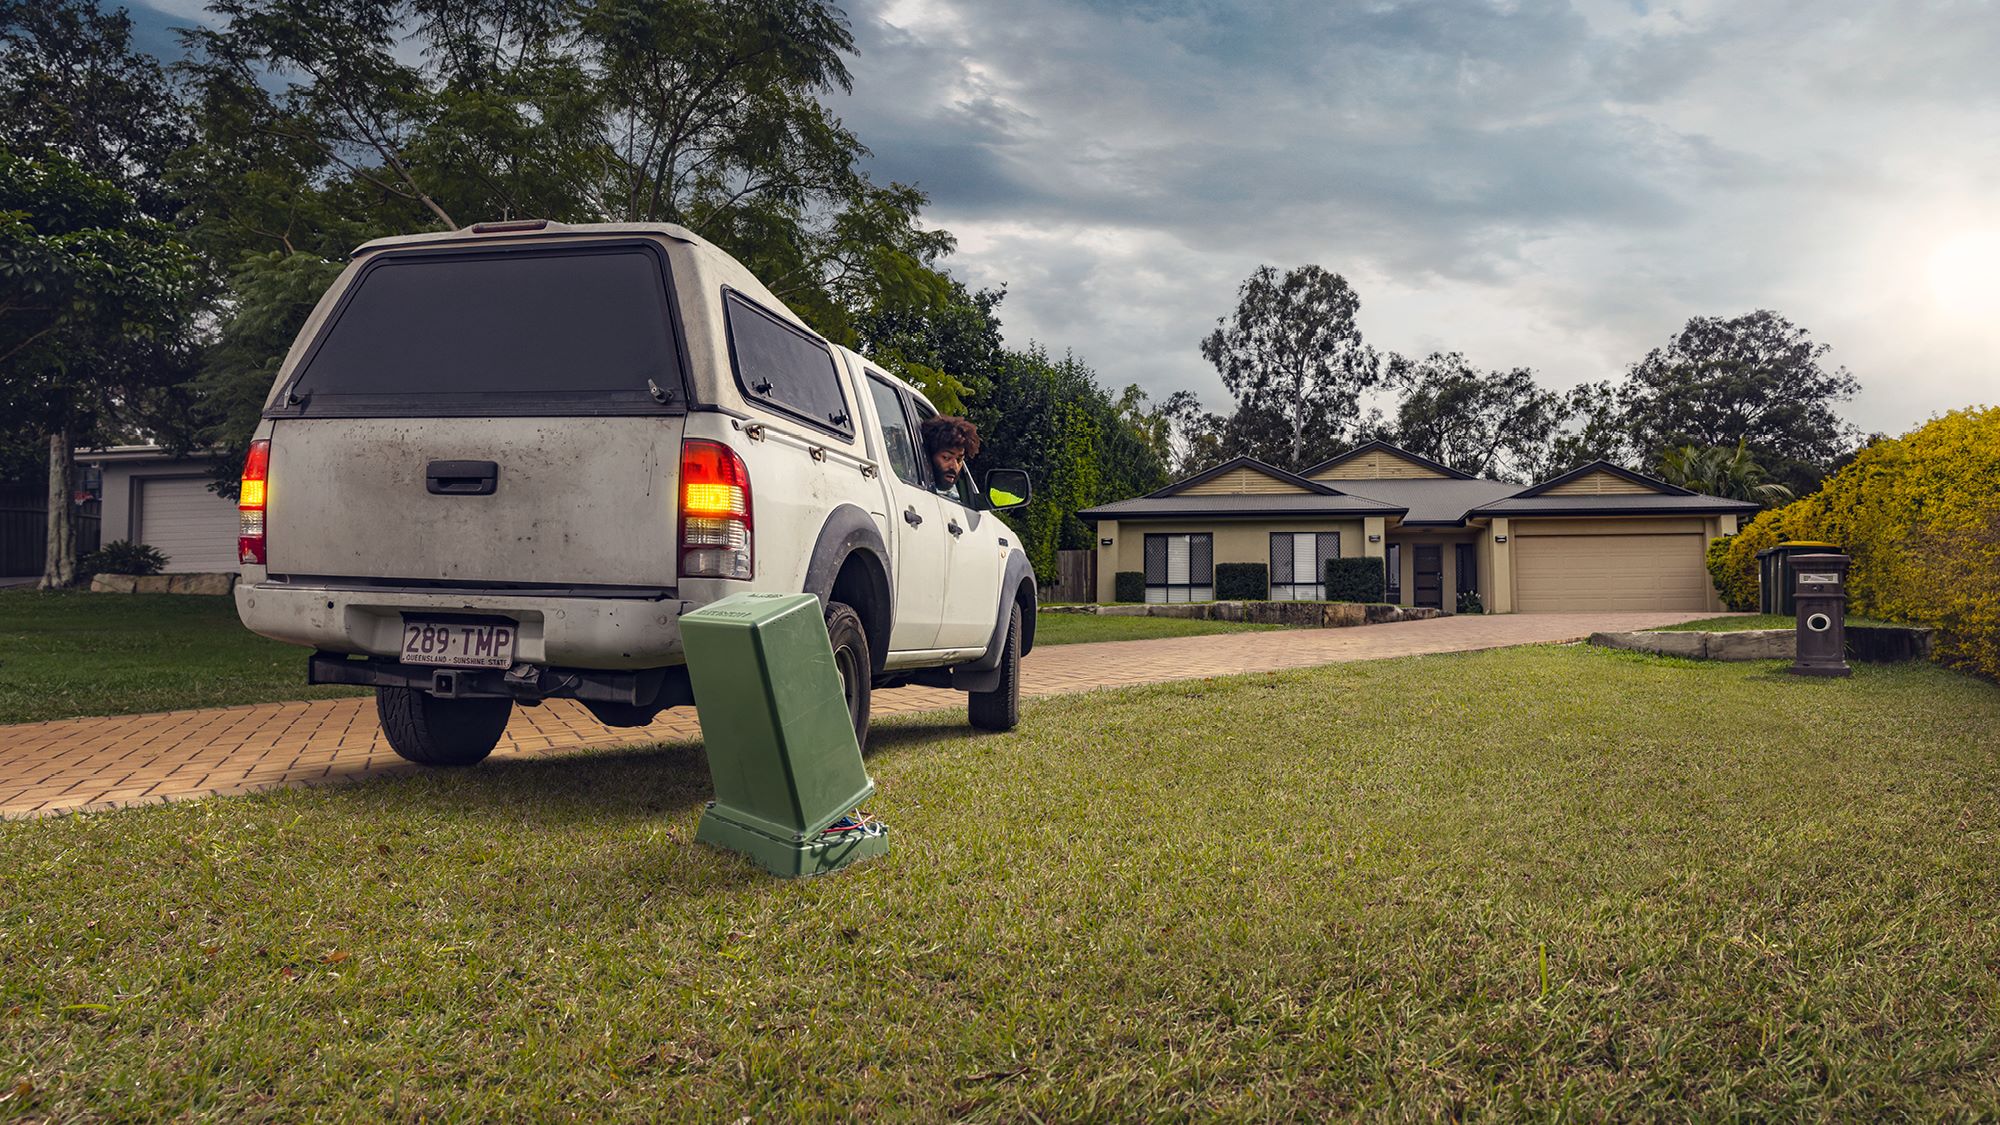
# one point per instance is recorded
(1751, 644)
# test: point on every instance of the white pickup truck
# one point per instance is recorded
(498, 464)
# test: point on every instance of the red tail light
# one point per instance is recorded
(251, 500)
(715, 512)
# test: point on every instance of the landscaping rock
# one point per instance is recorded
(1693, 646)
(1886, 644)
(208, 584)
(1870, 644)
(1751, 644)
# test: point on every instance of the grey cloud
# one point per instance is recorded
(1557, 184)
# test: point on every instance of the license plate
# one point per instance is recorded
(459, 644)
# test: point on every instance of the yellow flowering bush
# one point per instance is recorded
(1920, 514)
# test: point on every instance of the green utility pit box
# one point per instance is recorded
(781, 746)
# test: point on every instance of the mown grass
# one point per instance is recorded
(71, 653)
(1549, 882)
(1744, 621)
(1079, 628)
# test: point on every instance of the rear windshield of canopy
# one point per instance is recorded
(508, 331)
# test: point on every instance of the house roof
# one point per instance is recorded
(1446, 501)
(1433, 501)
(1589, 467)
(1211, 506)
(1625, 504)
(1379, 446)
(138, 453)
(1252, 464)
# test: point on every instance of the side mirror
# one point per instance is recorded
(1006, 488)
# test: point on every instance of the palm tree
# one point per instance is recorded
(1722, 471)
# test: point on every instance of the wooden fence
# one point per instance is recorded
(1076, 578)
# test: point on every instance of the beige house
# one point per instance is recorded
(1596, 537)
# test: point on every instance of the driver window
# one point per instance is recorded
(925, 414)
(902, 445)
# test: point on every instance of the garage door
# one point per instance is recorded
(1567, 573)
(193, 527)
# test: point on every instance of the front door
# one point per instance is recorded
(1430, 575)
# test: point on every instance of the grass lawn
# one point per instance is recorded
(73, 653)
(1075, 628)
(1748, 621)
(1555, 882)
(68, 654)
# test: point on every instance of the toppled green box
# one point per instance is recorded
(781, 747)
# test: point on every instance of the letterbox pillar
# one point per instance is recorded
(1819, 591)
(780, 744)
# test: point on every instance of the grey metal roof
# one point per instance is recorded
(1238, 505)
(1615, 504)
(1432, 501)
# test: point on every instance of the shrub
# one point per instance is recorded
(1242, 582)
(1920, 514)
(1469, 601)
(1129, 586)
(122, 556)
(1356, 580)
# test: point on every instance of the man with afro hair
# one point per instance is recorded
(950, 441)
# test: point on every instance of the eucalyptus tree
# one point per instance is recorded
(327, 123)
(1490, 424)
(1296, 362)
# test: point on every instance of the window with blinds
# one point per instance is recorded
(1180, 568)
(1298, 564)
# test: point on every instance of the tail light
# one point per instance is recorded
(250, 501)
(715, 512)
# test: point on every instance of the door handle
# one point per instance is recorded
(911, 517)
(954, 528)
(461, 478)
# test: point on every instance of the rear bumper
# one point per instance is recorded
(559, 631)
(645, 687)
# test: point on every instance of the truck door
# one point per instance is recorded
(976, 563)
(916, 525)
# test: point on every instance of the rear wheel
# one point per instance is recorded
(441, 732)
(1000, 709)
(850, 658)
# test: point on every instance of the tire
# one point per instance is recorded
(441, 732)
(1000, 709)
(851, 659)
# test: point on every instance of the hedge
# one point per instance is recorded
(1242, 582)
(1920, 514)
(1356, 580)
(1129, 586)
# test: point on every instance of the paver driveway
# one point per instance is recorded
(76, 765)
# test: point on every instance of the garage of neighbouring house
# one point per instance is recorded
(152, 497)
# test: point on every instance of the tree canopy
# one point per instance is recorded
(1294, 359)
(1755, 380)
(1497, 424)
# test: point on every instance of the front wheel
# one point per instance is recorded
(441, 732)
(850, 659)
(1000, 709)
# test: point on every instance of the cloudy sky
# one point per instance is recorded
(1534, 183)
(1556, 185)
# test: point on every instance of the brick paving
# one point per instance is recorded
(86, 765)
